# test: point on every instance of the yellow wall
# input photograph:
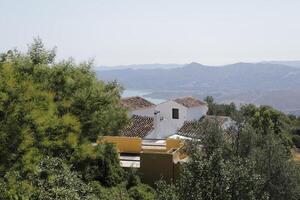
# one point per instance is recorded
(154, 149)
(134, 144)
(155, 162)
(173, 144)
(124, 144)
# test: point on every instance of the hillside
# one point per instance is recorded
(260, 83)
(140, 66)
(292, 63)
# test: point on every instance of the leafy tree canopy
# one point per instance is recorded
(249, 161)
(51, 115)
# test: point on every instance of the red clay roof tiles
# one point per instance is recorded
(189, 102)
(138, 126)
(135, 103)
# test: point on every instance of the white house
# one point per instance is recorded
(162, 120)
(170, 116)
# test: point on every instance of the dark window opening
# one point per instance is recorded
(175, 113)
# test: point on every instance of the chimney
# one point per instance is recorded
(157, 120)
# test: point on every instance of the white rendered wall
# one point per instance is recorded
(146, 112)
(195, 113)
(168, 125)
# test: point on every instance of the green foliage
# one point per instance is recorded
(51, 115)
(55, 180)
(296, 140)
(51, 110)
(112, 193)
(219, 109)
(132, 179)
(281, 175)
(213, 138)
(266, 120)
(166, 191)
(253, 163)
(98, 163)
(38, 54)
(3, 190)
(141, 192)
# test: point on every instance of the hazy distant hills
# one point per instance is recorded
(140, 66)
(274, 84)
(293, 63)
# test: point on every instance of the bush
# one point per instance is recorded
(296, 140)
(142, 192)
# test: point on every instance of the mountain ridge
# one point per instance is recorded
(239, 82)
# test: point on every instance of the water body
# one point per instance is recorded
(141, 93)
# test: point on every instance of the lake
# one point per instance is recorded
(141, 93)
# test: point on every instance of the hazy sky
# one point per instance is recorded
(156, 31)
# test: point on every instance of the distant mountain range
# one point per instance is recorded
(275, 83)
(292, 63)
(140, 66)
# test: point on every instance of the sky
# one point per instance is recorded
(122, 32)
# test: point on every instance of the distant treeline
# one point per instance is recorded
(250, 160)
(292, 122)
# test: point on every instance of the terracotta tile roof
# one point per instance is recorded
(194, 129)
(135, 103)
(191, 129)
(138, 126)
(189, 102)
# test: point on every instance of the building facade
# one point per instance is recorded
(168, 117)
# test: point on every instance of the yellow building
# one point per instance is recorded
(153, 159)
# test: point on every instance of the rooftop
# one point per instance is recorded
(189, 102)
(135, 103)
(193, 129)
(138, 126)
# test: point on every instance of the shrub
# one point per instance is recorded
(142, 192)
(296, 140)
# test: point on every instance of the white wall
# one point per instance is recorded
(146, 112)
(168, 125)
(195, 113)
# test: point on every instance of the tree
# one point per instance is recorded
(55, 180)
(39, 54)
(250, 161)
(166, 191)
(209, 100)
(296, 140)
(133, 179)
(219, 109)
(142, 192)
(57, 111)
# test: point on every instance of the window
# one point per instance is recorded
(175, 113)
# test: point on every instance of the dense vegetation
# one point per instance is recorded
(285, 125)
(51, 114)
(252, 160)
